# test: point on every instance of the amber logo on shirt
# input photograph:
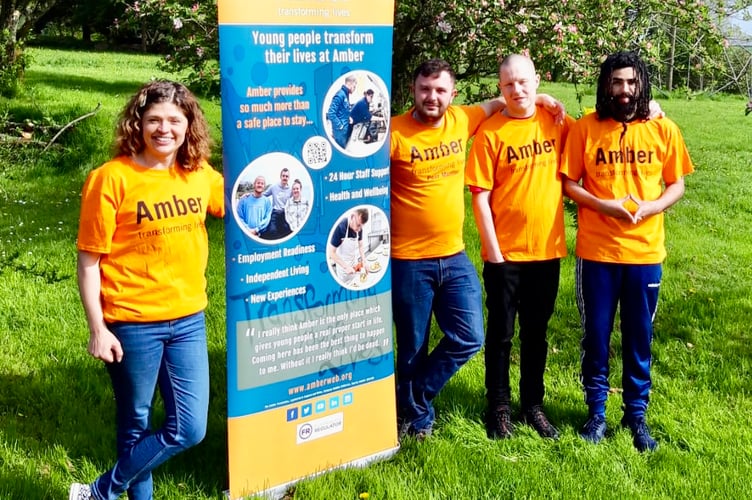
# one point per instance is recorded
(531, 150)
(443, 160)
(626, 156)
(442, 150)
(167, 209)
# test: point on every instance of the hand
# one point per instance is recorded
(644, 208)
(554, 107)
(655, 110)
(496, 259)
(105, 346)
(617, 208)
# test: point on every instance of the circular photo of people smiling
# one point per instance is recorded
(356, 113)
(357, 249)
(272, 198)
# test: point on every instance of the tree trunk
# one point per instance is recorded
(671, 56)
(11, 66)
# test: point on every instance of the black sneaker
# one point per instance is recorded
(537, 419)
(594, 429)
(499, 423)
(640, 434)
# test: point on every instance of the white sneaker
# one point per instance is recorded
(79, 491)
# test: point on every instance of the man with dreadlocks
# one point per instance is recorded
(623, 171)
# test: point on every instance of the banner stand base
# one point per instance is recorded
(277, 492)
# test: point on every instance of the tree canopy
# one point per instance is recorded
(17, 18)
(683, 41)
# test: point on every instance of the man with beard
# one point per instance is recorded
(623, 171)
(431, 274)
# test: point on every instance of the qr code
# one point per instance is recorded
(317, 152)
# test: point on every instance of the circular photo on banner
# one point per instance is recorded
(357, 250)
(272, 198)
(356, 113)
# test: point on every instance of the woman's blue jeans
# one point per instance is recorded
(447, 288)
(172, 354)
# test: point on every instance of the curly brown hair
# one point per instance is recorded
(129, 140)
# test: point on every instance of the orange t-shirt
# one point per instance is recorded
(148, 226)
(613, 161)
(427, 189)
(517, 160)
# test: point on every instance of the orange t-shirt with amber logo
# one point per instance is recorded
(427, 183)
(613, 160)
(148, 227)
(517, 160)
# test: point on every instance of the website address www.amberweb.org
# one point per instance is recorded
(320, 383)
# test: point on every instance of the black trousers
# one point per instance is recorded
(277, 228)
(526, 290)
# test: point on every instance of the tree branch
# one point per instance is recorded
(91, 113)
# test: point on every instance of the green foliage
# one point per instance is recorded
(17, 18)
(567, 43)
(13, 62)
(11, 74)
(83, 19)
(186, 30)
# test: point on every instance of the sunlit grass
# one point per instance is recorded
(56, 408)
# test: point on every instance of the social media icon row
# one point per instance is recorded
(320, 406)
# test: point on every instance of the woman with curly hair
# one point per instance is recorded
(142, 255)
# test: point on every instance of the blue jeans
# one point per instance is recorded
(600, 287)
(172, 354)
(341, 136)
(449, 288)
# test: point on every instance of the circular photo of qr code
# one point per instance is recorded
(317, 151)
(356, 113)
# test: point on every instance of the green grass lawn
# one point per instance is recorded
(56, 405)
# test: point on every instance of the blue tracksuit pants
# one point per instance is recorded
(601, 286)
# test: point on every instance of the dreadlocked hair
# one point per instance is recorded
(643, 95)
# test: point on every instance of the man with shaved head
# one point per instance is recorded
(513, 174)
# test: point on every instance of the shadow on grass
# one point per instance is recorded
(123, 86)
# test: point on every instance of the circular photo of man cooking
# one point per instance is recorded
(358, 247)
